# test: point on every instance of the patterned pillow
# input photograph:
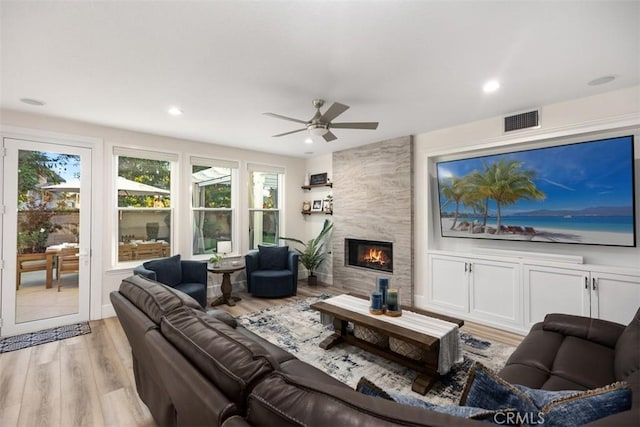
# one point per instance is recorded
(485, 389)
(365, 386)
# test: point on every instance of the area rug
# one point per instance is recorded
(31, 339)
(296, 328)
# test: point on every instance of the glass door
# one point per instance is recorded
(46, 235)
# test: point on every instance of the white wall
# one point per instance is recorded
(104, 238)
(313, 223)
(570, 121)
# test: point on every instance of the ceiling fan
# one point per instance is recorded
(320, 124)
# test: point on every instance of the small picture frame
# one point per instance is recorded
(316, 206)
(318, 179)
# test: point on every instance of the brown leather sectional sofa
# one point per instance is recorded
(196, 368)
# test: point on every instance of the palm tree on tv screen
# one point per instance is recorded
(506, 182)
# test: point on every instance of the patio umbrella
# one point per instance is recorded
(126, 187)
(64, 187)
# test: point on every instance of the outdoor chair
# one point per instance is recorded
(68, 262)
(29, 262)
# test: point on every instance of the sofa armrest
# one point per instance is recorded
(251, 263)
(149, 274)
(596, 330)
(194, 272)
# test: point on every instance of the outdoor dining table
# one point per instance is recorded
(52, 253)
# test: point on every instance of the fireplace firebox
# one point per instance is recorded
(371, 254)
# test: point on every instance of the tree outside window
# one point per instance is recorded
(264, 208)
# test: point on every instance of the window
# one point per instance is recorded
(145, 214)
(213, 201)
(265, 193)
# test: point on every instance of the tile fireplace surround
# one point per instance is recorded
(373, 200)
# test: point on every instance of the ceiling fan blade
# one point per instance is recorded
(278, 116)
(334, 111)
(355, 125)
(329, 136)
(288, 133)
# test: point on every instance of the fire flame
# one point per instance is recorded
(375, 256)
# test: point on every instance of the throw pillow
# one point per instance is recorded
(365, 386)
(168, 270)
(273, 257)
(485, 389)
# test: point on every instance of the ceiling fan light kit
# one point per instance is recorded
(320, 124)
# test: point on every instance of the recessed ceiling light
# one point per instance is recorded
(308, 141)
(601, 80)
(308, 152)
(491, 86)
(175, 111)
(32, 101)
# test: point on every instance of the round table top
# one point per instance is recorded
(225, 268)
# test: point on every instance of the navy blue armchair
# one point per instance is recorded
(272, 272)
(189, 277)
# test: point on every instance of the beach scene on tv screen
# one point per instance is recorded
(577, 193)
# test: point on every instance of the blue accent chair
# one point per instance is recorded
(189, 277)
(269, 279)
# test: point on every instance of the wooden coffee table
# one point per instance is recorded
(427, 366)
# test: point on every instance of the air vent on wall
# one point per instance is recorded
(529, 119)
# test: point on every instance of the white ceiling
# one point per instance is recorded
(413, 66)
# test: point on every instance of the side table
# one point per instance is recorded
(226, 297)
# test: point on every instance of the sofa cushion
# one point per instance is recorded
(223, 316)
(228, 359)
(168, 270)
(627, 351)
(485, 389)
(153, 298)
(273, 257)
(281, 399)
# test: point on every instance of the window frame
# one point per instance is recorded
(280, 172)
(173, 160)
(235, 197)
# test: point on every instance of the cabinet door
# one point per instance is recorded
(614, 297)
(494, 292)
(449, 283)
(554, 290)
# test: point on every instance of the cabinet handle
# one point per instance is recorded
(470, 267)
(586, 283)
(465, 267)
(593, 283)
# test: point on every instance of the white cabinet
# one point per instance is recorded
(481, 289)
(515, 292)
(554, 290)
(601, 295)
(449, 280)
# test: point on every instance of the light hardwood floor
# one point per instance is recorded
(88, 380)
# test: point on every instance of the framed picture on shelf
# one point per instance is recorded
(318, 179)
(316, 206)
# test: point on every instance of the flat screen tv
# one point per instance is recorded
(580, 193)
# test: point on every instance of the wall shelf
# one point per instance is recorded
(309, 187)
(315, 212)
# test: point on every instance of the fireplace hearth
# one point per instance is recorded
(370, 254)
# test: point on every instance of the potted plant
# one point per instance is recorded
(313, 253)
(215, 259)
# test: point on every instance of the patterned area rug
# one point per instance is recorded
(19, 342)
(296, 328)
